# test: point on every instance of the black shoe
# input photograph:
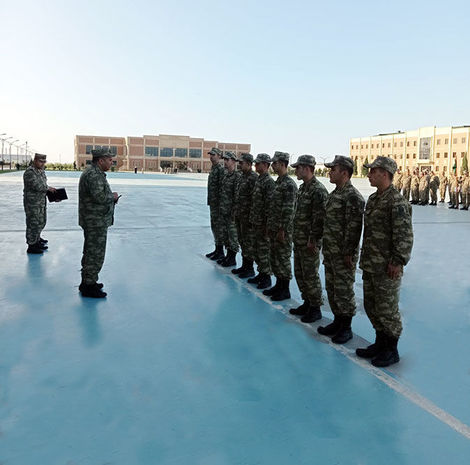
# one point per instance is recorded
(344, 333)
(389, 353)
(35, 249)
(41, 245)
(230, 259)
(92, 290)
(283, 292)
(301, 310)
(331, 329)
(273, 289)
(247, 273)
(264, 281)
(219, 254)
(372, 350)
(220, 260)
(43, 241)
(463, 208)
(256, 279)
(242, 268)
(313, 314)
(210, 254)
(99, 285)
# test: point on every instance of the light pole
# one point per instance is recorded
(9, 151)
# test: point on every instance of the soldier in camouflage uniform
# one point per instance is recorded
(228, 192)
(341, 236)
(443, 183)
(398, 180)
(308, 233)
(95, 215)
(454, 190)
(280, 227)
(35, 205)
(214, 184)
(424, 181)
(262, 192)
(415, 187)
(464, 191)
(243, 203)
(407, 184)
(386, 249)
(433, 187)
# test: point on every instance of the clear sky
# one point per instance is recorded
(297, 76)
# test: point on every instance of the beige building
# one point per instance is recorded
(152, 153)
(437, 149)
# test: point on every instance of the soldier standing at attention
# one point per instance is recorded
(424, 188)
(465, 191)
(454, 189)
(242, 215)
(214, 184)
(262, 193)
(280, 227)
(35, 205)
(228, 194)
(415, 187)
(443, 182)
(386, 249)
(308, 233)
(341, 236)
(406, 184)
(398, 180)
(96, 214)
(433, 187)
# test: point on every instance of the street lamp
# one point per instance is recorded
(11, 143)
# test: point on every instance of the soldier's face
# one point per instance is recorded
(376, 176)
(261, 168)
(245, 166)
(105, 163)
(39, 164)
(275, 167)
(335, 174)
(214, 159)
(229, 164)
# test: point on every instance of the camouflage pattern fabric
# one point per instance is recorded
(228, 194)
(398, 181)
(281, 216)
(406, 185)
(415, 188)
(309, 219)
(214, 184)
(443, 182)
(433, 187)
(342, 233)
(424, 188)
(94, 249)
(262, 193)
(34, 202)
(465, 191)
(242, 214)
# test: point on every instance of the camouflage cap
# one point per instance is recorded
(40, 156)
(101, 153)
(341, 160)
(383, 162)
(215, 151)
(263, 158)
(229, 156)
(246, 157)
(281, 156)
(308, 160)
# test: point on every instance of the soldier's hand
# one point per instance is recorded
(51, 189)
(116, 197)
(281, 235)
(348, 261)
(394, 271)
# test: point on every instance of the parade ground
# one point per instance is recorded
(185, 364)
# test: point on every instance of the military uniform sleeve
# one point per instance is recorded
(319, 199)
(402, 232)
(353, 224)
(289, 196)
(34, 183)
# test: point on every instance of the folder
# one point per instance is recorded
(57, 196)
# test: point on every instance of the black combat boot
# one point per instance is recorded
(301, 310)
(255, 280)
(372, 350)
(242, 268)
(282, 292)
(41, 245)
(222, 257)
(92, 290)
(248, 271)
(210, 254)
(264, 281)
(43, 241)
(331, 329)
(388, 355)
(273, 289)
(35, 249)
(344, 333)
(81, 286)
(230, 259)
(313, 314)
(463, 208)
(219, 253)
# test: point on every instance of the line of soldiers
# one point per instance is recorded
(271, 218)
(424, 185)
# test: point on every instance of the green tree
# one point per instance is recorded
(464, 163)
(364, 169)
(355, 167)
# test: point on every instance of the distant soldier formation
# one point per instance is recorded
(270, 219)
(421, 187)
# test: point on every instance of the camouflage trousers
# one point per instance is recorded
(381, 295)
(94, 249)
(415, 194)
(339, 283)
(424, 195)
(229, 233)
(280, 253)
(406, 193)
(306, 265)
(454, 198)
(433, 193)
(262, 248)
(246, 238)
(442, 192)
(215, 226)
(35, 222)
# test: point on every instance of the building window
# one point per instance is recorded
(195, 153)
(454, 154)
(113, 150)
(408, 144)
(88, 149)
(407, 155)
(182, 153)
(438, 141)
(357, 146)
(166, 152)
(446, 141)
(361, 147)
(352, 147)
(414, 143)
(463, 140)
(414, 155)
(151, 151)
(438, 155)
(455, 140)
(367, 146)
(445, 154)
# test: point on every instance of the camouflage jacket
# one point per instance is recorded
(261, 198)
(434, 183)
(414, 181)
(282, 205)
(398, 180)
(244, 195)
(95, 199)
(443, 180)
(214, 184)
(228, 192)
(309, 213)
(343, 222)
(388, 231)
(406, 181)
(424, 181)
(35, 187)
